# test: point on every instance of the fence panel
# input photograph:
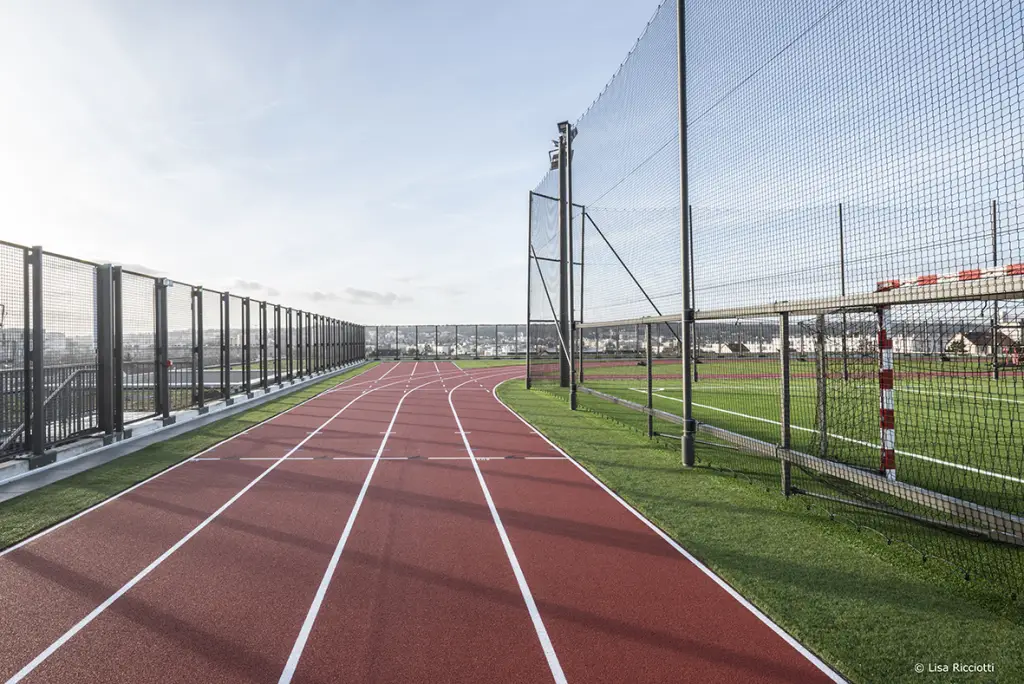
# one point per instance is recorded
(13, 328)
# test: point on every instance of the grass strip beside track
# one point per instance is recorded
(870, 610)
(30, 513)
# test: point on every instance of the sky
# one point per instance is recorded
(365, 160)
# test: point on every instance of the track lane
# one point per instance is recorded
(423, 590)
(55, 578)
(619, 602)
(168, 613)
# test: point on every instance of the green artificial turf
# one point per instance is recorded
(488, 363)
(871, 610)
(29, 513)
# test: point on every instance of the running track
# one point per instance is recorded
(378, 532)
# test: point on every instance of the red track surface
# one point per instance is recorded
(424, 587)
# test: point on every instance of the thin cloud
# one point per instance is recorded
(353, 295)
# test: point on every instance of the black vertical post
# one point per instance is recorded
(784, 397)
(277, 345)
(246, 348)
(822, 385)
(416, 337)
(298, 343)
(529, 286)
(263, 346)
(476, 341)
(995, 302)
(693, 298)
(225, 346)
(117, 341)
(38, 433)
(199, 367)
(376, 343)
(163, 388)
(564, 258)
(650, 385)
(688, 319)
(26, 340)
(105, 350)
(436, 342)
(842, 290)
(289, 351)
(583, 262)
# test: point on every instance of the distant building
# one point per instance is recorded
(979, 343)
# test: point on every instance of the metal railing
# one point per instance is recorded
(89, 349)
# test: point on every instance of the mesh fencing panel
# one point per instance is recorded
(213, 371)
(13, 326)
(69, 348)
(181, 374)
(836, 152)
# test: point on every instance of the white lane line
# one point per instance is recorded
(314, 608)
(81, 624)
(196, 457)
(524, 588)
(800, 648)
(920, 457)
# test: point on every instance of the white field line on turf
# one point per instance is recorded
(325, 582)
(920, 457)
(196, 457)
(800, 648)
(524, 588)
(81, 624)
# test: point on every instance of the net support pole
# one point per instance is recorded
(564, 369)
(689, 425)
(784, 398)
(263, 346)
(529, 287)
(995, 302)
(842, 290)
(887, 408)
(289, 351)
(650, 384)
(821, 372)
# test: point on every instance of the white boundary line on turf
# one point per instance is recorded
(314, 609)
(524, 587)
(814, 660)
(194, 457)
(920, 457)
(95, 612)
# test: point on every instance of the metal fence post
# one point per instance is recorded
(117, 342)
(277, 344)
(689, 425)
(225, 347)
(650, 385)
(436, 342)
(163, 388)
(821, 368)
(199, 368)
(299, 339)
(105, 351)
(842, 290)
(38, 433)
(263, 346)
(289, 351)
(476, 342)
(995, 302)
(246, 347)
(496, 350)
(784, 420)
